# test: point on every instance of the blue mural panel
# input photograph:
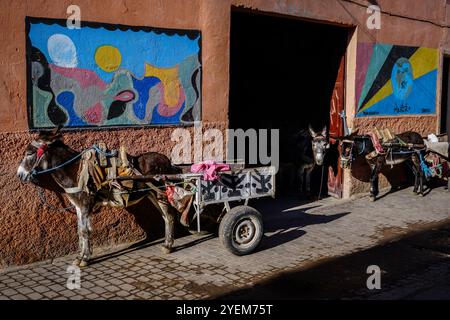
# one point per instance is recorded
(111, 75)
(395, 80)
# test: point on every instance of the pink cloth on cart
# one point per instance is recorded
(210, 169)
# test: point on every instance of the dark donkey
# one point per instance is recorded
(311, 147)
(48, 151)
(405, 147)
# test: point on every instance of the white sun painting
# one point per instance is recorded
(62, 51)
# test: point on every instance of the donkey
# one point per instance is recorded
(362, 145)
(48, 151)
(311, 147)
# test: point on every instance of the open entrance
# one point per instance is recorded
(445, 98)
(287, 74)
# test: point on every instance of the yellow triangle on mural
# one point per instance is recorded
(423, 61)
(384, 92)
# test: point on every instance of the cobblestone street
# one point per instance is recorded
(295, 237)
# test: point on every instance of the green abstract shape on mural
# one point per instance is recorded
(121, 81)
(379, 56)
(186, 69)
(41, 101)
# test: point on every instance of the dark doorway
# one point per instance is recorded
(445, 98)
(283, 73)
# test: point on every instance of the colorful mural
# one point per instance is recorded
(395, 80)
(111, 75)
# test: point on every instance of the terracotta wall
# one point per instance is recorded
(30, 232)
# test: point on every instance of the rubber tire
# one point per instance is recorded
(231, 220)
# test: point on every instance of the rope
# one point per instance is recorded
(435, 170)
(321, 183)
(95, 147)
(40, 192)
(426, 170)
(108, 154)
(35, 173)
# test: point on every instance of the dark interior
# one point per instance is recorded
(282, 74)
(445, 104)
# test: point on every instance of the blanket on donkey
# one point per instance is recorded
(97, 175)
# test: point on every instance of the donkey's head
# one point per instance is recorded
(348, 145)
(37, 155)
(320, 145)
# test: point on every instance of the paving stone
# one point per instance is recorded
(111, 288)
(143, 279)
(101, 283)
(92, 296)
(35, 296)
(126, 287)
(41, 289)
(9, 292)
(98, 290)
(25, 290)
(115, 281)
(68, 293)
(122, 293)
(6, 280)
(14, 284)
(51, 294)
(57, 287)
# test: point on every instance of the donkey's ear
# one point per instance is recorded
(311, 131)
(57, 129)
(55, 134)
(354, 132)
(49, 136)
(324, 131)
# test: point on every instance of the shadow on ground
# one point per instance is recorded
(284, 226)
(283, 222)
(346, 277)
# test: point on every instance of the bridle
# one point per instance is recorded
(41, 149)
(346, 159)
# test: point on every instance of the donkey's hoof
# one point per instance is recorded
(166, 250)
(84, 263)
(76, 262)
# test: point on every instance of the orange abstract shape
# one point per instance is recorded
(170, 81)
(169, 110)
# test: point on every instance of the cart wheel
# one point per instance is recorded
(241, 230)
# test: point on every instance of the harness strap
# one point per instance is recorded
(73, 190)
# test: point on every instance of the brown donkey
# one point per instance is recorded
(48, 156)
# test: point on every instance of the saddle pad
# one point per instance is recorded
(439, 147)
